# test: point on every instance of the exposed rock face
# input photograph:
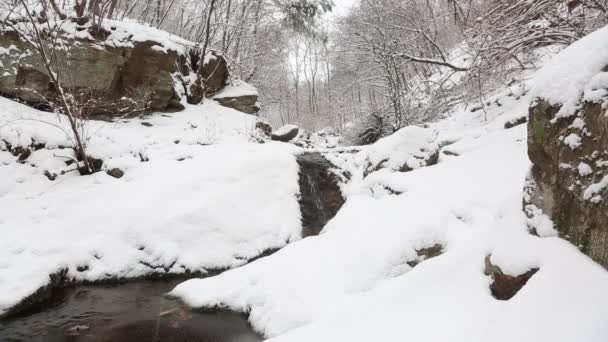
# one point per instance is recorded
(106, 80)
(320, 195)
(569, 177)
(215, 72)
(286, 133)
(505, 286)
(212, 77)
(246, 104)
(240, 96)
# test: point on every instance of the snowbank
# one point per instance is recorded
(205, 199)
(572, 72)
(354, 282)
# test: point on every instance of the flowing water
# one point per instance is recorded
(131, 312)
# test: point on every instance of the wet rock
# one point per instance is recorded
(320, 195)
(505, 286)
(42, 295)
(286, 133)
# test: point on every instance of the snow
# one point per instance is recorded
(573, 141)
(7, 51)
(237, 88)
(192, 206)
(578, 123)
(592, 192)
(408, 148)
(198, 196)
(574, 72)
(584, 169)
(353, 283)
(285, 129)
(121, 34)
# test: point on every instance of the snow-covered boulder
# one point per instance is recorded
(240, 96)
(114, 69)
(286, 133)
(568, 145)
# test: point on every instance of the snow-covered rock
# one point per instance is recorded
(240, 96)
(127, 70)
(286, 133)
(567, 134)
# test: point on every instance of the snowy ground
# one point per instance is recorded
(196, 195)
(205, 199)
(353, 283)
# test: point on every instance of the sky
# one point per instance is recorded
(342, 6)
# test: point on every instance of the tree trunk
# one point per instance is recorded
(197, 92)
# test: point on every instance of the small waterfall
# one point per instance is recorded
(320, 195)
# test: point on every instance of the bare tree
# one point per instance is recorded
(69, 106)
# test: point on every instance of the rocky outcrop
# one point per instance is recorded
(569, 176)
(106, 80)
(286, 133)
(320, 195)
(215, 72)
(212, 76)
(115, 71)
(567, 188)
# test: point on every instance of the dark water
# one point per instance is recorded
(130, 312)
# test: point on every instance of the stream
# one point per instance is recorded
(139, 311)
(135, 311)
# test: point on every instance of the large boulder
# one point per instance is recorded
(568, 146)
(106, 78)
(240, 96)
(116, 70)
